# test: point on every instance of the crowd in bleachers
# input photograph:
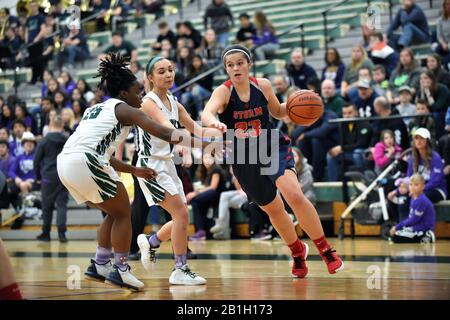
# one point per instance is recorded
(382, 78)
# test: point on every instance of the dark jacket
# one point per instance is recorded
(299, 78)
(45, 157)
(416, 16)
(395, 125)
(321, 129)
(221, 18)
(358, 138)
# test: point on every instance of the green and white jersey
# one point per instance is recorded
(152, 146)
(99, 131)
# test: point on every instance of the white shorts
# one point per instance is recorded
(166, 180)
(87, 176)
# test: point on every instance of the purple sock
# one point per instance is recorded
(102, 255)
(120, 260)
(180, 260)
(154, 241)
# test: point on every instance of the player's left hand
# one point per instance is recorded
(145, 173)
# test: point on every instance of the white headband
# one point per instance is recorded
(238, 50)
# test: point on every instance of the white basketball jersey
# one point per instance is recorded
(152, 146)
(99, 130)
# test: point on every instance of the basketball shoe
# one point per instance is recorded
(98, 272)
(299, 268)
(123, 279)
(184, 276)
(332, 260)
(148, 254)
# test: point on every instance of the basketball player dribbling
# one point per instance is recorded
(243, 103)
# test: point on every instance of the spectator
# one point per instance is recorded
(190, 34)
(21, 113)
(385, 151)
(78, 110)
(68, 119)
(356, 139)
(381, 53)
(153, 6)
(7, 117)
(22, 172)
(359, 60)
(380, 84)
(77, 97)
(119, 11)
(74, 46)
(48, 45)
(34, 33)
(443, 35)
(420, 224)
(444, 148)
(383, 109)
(423, 108)
(437, 96)
(66, 83)
(4, 135)
(14, 43)
(365, 99)
(298, 71)
(47, 75)
(265, 41)
(331, 100)
(304, 174)
(167, 50)
(6, 160)
(199, 91)
(221, 20)
(414, 26)
(47, 104)
(405, 107)
(334, 67)
(85, 90)
(367, 31)
(15, 146)
(53, 88)
(100, 7)
(60, 100)
(406, 74)
(54, 194)
(119, 45)
(316, 140)
(7, 19)
(364, 73)
(213, 180)
(184, 59)
(314, 85)
(211, 50)
(138, 71)
(434, 65)
(246, 31)
(10, 195)
(164, 34)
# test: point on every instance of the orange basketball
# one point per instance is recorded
(304, 107)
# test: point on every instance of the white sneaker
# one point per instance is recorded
(184, 276)
(124, 279)
(148, 254)
(216, 229)
(222, 235)
(98, 272)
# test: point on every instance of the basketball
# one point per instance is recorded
(304, 107)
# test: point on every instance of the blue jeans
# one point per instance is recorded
(195, 97)
(222, 38)
(334, 163)
(74, 53)
(411, 35)
(200, 205)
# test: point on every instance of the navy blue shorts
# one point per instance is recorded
(261, 188)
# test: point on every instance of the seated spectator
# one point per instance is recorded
(406, 74)
(381, 53)
(66, 83)
(314, 85)
(53, 87)
(212, 177)
(364, 73)
(356, 139)
(380, 85)
(221, 20)
(78, 111)
(4, 135)
(405, 107)
(383, 109)
(365, 99)
(331, 100)
(414, 25)
(441, 46)
(78, 97)
(232, 199)
(47, 104)
(385, 151)
(196, 93)
(21, 113)
(422, 107)
(246, 31)
(153, 6)
(359, 60)
(437, 96)
(304, 174)
(265, 41)
(184, 59)
(192, 36)
(164, 34)
(6, 160)
(316, 140)
(420, 224)
(74, 47)
(167, 50)
(210, 49)
(444, 148)
(15, 146)
(138, 71)
(60, 100)
(22, 172)
(366, 31)
(119, 45)
(85, 90)
(334, 67)
(282, 87)
(9, 195)
(7, 117)
(68, 119)
(298, 71)
(47, 75)
(434, 65)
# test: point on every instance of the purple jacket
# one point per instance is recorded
(434, 178)
(5, 165)
(265, 37)
(422, 216)
(23, 167)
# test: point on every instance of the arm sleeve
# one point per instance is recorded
(13, 169)
(442, 101)
(413, 219)
(379, 157)
(39, 154)
(394, 25)
(436, 175)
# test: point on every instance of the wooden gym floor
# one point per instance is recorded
(241, 269)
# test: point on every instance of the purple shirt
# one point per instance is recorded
(6, 164)
(422, 216)
(23, 167)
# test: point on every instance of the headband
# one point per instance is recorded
(237, 50)
(152, 63)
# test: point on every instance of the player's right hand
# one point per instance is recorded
(219, 126)
(145, 173)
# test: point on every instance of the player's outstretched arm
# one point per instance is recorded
(194, 128)
(216, 104)
(276, 109)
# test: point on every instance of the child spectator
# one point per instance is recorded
(420, 224)
(380, 85)
(405, 107)
(385, 151)
(22, 172)
(381, 53)
(15, 146)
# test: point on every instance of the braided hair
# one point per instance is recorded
(115, 76)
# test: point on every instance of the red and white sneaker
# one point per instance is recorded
(334, 263)
(299, 268)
